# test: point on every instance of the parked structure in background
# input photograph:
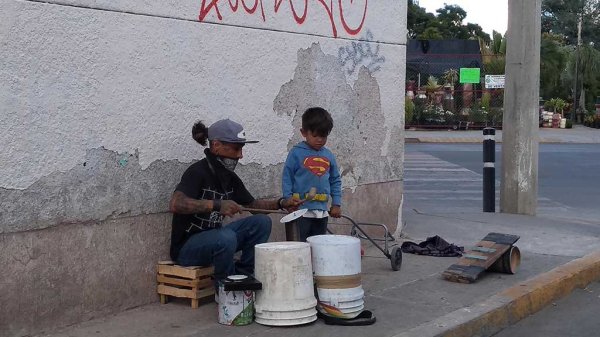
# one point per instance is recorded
(442, 96)
(97, 104)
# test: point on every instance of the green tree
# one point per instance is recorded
(448, 24)
(493, 54)
(417, 20)
(554, 57)
(588, 75)
(560, 17)
(450, 20)
(430, 33)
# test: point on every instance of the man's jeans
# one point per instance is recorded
(217, 246)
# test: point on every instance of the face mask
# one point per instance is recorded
(229, 163)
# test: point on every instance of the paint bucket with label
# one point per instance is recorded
(337, 270)
(287, 296)
(235, 307)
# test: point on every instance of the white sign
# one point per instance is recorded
(494, 81)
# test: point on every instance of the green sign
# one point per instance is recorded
(470, 75)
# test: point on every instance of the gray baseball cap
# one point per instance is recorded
(226, 130)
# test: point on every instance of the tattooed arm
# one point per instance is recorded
(182, 204)
(289, 204)
(264, 204)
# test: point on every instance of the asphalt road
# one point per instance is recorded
(573, 316)
(448, 177)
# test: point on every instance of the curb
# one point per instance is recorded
(513, 304)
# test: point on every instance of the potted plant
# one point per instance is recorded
(557, 105)
(450, 78)
(432, 85)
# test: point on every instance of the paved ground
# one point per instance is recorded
(416, 301)
(403, 301)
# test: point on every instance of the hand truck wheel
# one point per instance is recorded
(396, 258)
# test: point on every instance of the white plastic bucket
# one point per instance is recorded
(235, 307)
(287, 296)
(563, 123)
(337, 268)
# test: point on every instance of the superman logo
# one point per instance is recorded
(317, 165)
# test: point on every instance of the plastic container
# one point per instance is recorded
(337, 268)
(287, 297)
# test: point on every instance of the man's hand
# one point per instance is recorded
(291, 204)
(230, 208)
(335, 211)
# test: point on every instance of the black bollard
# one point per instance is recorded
(489, 170)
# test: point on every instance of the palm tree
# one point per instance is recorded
(554, 56)
(493, 54)
(589, 65)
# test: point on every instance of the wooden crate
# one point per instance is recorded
(194, 283)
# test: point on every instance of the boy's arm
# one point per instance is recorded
(287, 177)
(335, 182)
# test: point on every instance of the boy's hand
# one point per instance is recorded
(291, 204)
(335, 211)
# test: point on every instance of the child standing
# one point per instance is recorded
(311, 174)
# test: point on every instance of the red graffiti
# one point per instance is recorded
(299, 19)
(343, 18)
(344, 6)
(205, 9)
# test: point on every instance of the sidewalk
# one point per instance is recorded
(577, 135)
(414, 301)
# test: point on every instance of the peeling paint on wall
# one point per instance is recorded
(106, 185)
(359, 125)
(110, 184)
(97, 99)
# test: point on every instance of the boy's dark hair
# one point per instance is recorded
(318, 121)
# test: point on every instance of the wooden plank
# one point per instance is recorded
(462, 274)
(177, 292)
(475, 257)
(475, 261)
(483, 249)
(502, 239)
(186, 272)
(185, 293)
(166, 262)
(206, 271)
(205, 292)
(200, 283)
(491, 258)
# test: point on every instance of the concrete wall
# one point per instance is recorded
(97, 100)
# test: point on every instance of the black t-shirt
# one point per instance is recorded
(207, 179)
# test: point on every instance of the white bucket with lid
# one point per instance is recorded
(287, 295)
(337, 270)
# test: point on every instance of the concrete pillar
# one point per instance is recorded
(520, 130)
